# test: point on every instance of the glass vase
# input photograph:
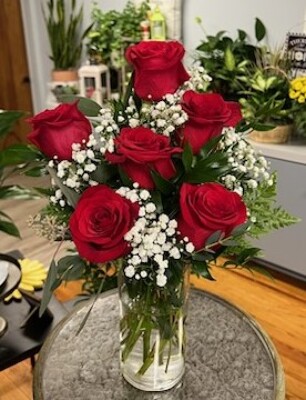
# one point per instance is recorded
(152, 331)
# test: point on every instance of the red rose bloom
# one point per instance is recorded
(158, 68)
(98, 224)
(208, 114)
(54, 131)
(140, 150)
(206, 209)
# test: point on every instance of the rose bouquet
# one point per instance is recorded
(150, 189)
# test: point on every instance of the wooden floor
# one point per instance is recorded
(279, 306)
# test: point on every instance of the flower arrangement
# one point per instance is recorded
(156, 186)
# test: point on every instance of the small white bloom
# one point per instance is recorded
(189, 247)
(150, 207)
(129, 271)
(161, 280)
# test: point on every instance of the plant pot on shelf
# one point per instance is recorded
(279, 134)
(69, 75)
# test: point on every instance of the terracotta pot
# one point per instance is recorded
(280, 134)
(64, 75)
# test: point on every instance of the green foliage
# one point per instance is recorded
(113, 31)
(8, 120)
(64, 32)
(228, 60)
(266, 101)
(268, 216)
(8, 157)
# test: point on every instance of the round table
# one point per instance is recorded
(228, 357)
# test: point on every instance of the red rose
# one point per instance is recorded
(208, 114)
(54, 131)
(100, 221)
(158, 68)
(206, 209)
(140, 150)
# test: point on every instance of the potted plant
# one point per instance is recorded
(112, 32)
(266, 103)
(65, 37)
(228, 60)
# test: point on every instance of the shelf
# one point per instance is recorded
(293, 151)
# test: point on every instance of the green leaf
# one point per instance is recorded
(103, 173)
(229, 59)
(214, 238)
(7, 121)
(128, 92)
(36, 171)
(17, 192)
(9, 228)
(242, 35)
(165, 186)
(47, 292)
(209, 147)
(71, 268)
(157, 200)
(202, 269)
(210, 169)
(240, 229)
(87, 106)
(124, 177)
(260, 30)
(18, 154)
(187, 157)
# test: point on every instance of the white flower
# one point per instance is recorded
(143, 274)
(150, 207)
(175, 253)
(133, 123)
(144, 195)
(129, 271)
(189, 247)
(161, 280)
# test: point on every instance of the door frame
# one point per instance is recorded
(37, 46)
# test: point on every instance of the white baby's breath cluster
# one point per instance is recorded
(153, 239)
(249, 167)
(199, 79)
(165, 116)
(104, 132)
(131, 115)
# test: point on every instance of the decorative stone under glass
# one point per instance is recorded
(228, 357)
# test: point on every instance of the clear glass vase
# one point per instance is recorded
(152, 331)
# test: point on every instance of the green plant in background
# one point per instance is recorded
(62, 90)
(17, 155)
(228, 60)
(113, 31)
(265, 101)
(64, 32)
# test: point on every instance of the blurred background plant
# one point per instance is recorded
(265, 101)
(229, 60)
(113, 31)
(8, 168)
(63, 25)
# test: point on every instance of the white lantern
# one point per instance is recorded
(95, 82)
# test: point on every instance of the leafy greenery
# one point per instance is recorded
(64, 32)
(113, 31)
(228, 60)
(262, 205)
(265, 101)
